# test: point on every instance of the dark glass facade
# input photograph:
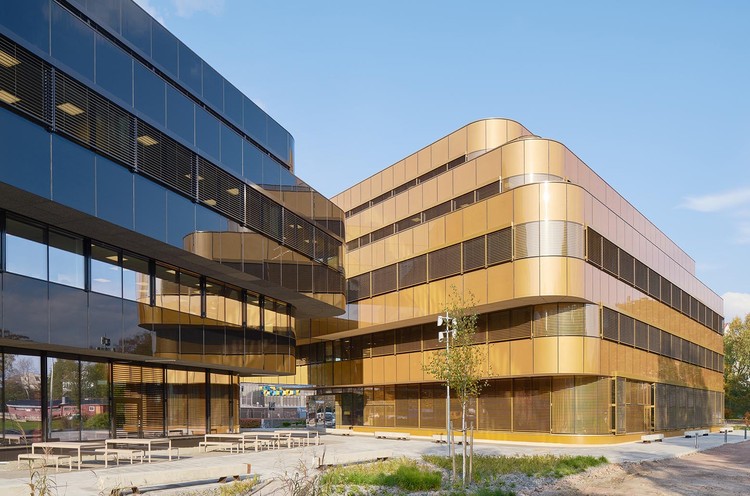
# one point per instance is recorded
(154, 243)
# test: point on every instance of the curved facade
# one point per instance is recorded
(592, 321)
(155, 242)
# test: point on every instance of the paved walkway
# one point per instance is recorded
(270, 464)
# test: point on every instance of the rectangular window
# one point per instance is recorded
(66, 260)
(106, 272)
(25, 250)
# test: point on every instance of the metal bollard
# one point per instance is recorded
(696, 440)
(726, 431)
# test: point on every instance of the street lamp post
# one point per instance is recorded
(446, 336)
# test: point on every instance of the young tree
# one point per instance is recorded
(462, 366)
(737, 367)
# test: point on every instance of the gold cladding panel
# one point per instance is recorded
(440, 153)
(366, 371)
(488, 167)
(499, 359)
(553, 199)
(464, 178)
(454, 227)
(391, 307)
(389, 211)
(496, 132)
(402, 368)
(378, 370)
(515, 130)
(391, 250)
(399, 173)
(436, 233)
(445, 187)
(554, 280)
(556, 159)
(457, 144)
(571, 355)
(405, 243)
(378, 309)
(429, 193)
(526, 204)
(356, 195)
(526, 277)
(576, 277)
(415, 367)
(437, 296)
(402, 204)
(428, 356)
(545, 355)
(474, 220)
(421, 238)
(421, 300)
(376, 185)
(389, 369)
(386, 176)
(376, 216)
(415, 200)
(521, 357)
(536, 157)
(365, 190)
(475, 283)
(378, 254)
(424, 160)
(410, 167)
(513, 163)
(576, 210)
(406, 303)
(499, 211)
(476, 138)
(591, 356)
(499, 282)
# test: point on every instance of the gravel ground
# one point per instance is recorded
(719, 471)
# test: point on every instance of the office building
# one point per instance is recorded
(156, 244)
(591, 320)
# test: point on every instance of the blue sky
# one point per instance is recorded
(652, 95)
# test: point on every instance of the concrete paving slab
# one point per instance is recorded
(273, 463)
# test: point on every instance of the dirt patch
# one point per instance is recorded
(719, 471)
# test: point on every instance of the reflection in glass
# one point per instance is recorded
(135, 279)
(22, 399)
(94, 400)
(66, 261)
(106, 273)
(67, 316)
(63, 399)
(72, 42)
(25, 250)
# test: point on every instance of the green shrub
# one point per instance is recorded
(98, 421)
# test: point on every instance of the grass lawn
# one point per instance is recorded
(404, 475)
(488, 467)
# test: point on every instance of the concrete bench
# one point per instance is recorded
(118, 453)
(652, 437)
(726, 429)
(339, 432)
(696, 433)
(351, 458)
(46, 458)
(393, 435)
(128, 479)
(220, 445)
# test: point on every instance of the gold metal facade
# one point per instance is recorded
(513, 219)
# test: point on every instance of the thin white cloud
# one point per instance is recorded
(186, 8)
(719, 201)
(151, 10)
(736, 305)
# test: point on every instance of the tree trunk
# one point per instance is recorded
(471, 456)
(463, 442)
(452, 440)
